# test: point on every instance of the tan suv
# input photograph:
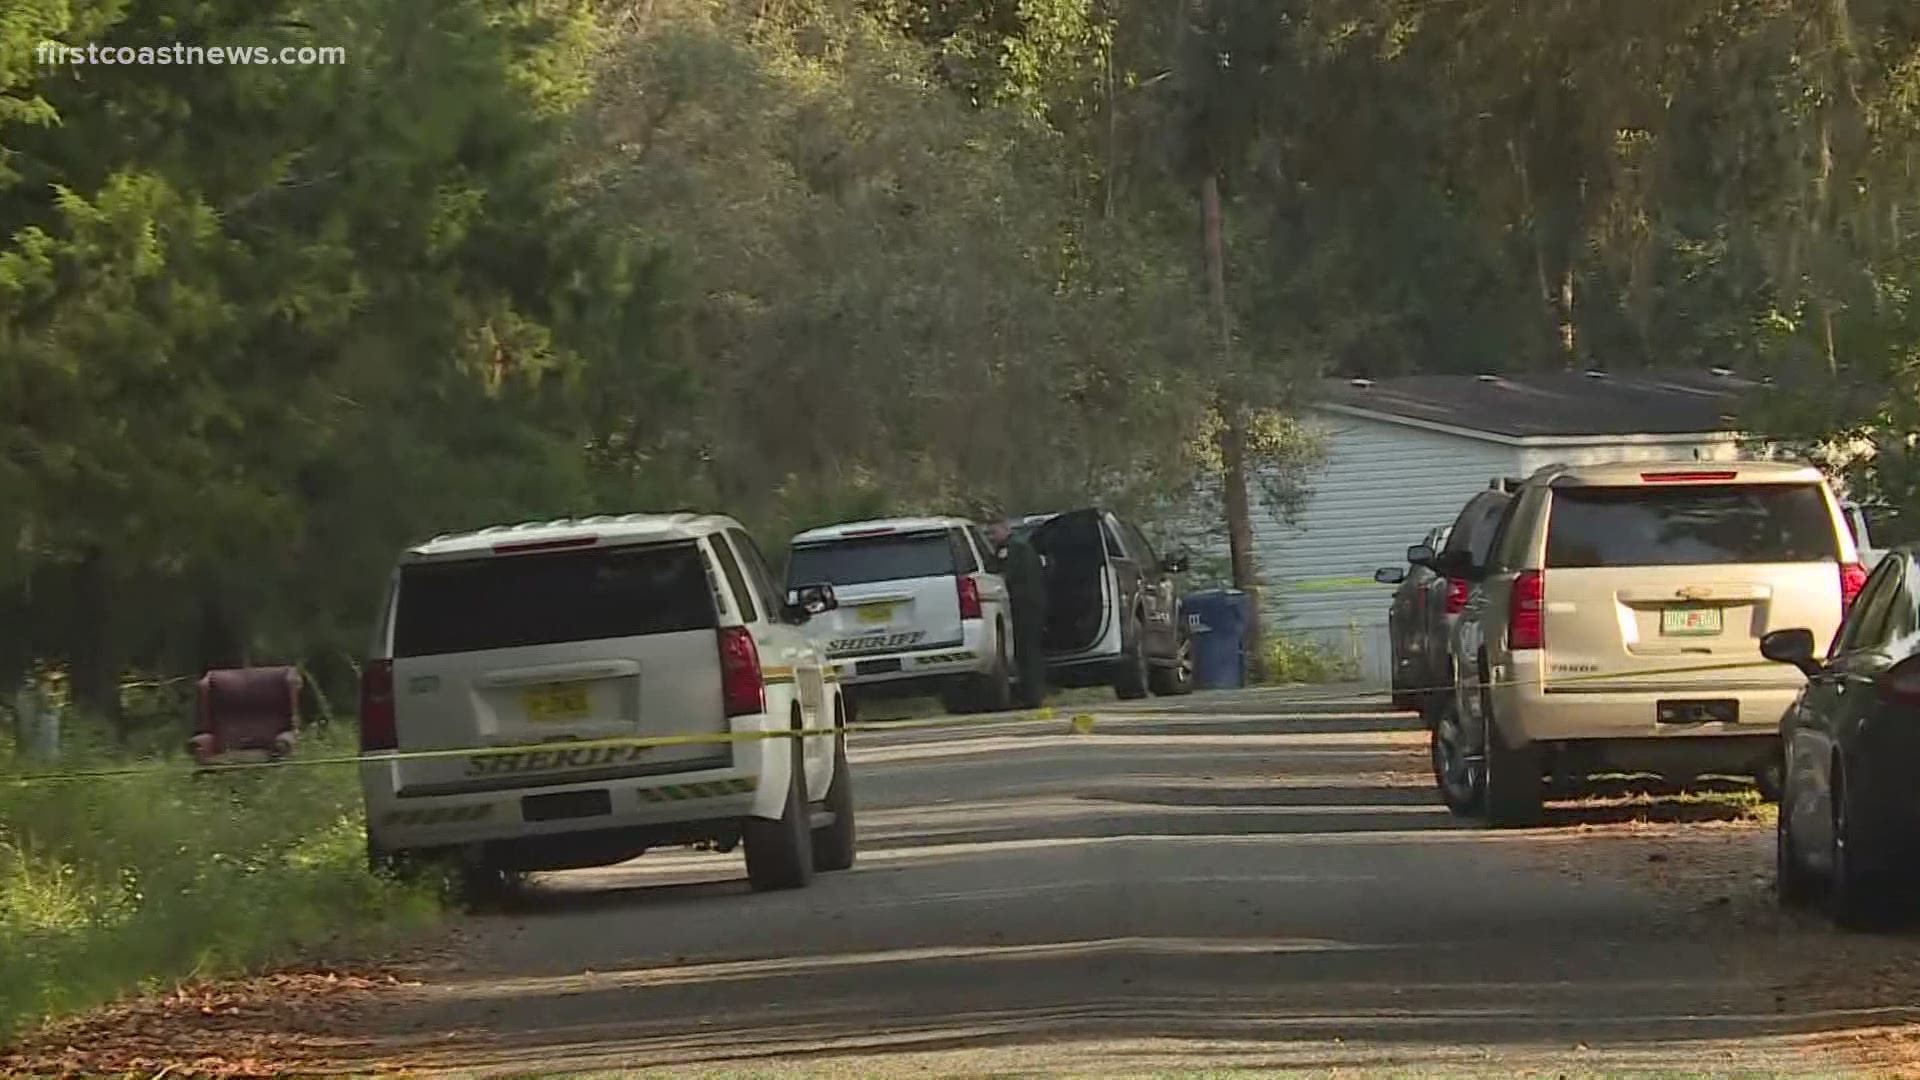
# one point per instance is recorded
(1616, 625)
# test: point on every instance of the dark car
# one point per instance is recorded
(1850, 747)
(1406, 617)
(1431, 596)
(1112, 605)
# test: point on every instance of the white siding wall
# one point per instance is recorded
(1384, 486)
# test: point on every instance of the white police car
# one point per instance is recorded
(510, 663)
(922, 609)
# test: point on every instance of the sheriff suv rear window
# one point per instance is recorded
(871, 558)
(1692, 525)
(549, 598)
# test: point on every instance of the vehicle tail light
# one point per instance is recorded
(741, 686)
(1527, 616)
(1456, 596)
(969, 598)
(378, 729)
(1901, 682)
(1853, 578)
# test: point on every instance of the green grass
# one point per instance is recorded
(1308, 660)
(114, 886)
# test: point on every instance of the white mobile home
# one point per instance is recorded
(1404, 454)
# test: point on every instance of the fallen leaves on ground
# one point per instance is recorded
(300, 1022)
(1718, 878)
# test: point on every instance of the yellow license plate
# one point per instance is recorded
(1690, 622)
(875, 613)
(556, 703)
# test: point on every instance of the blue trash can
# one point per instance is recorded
(1217, 628)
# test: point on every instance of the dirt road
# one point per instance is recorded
(1255, 879)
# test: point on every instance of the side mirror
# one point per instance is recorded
(1420, 555)
(1791, 647)
(1389, 575)
(1175, 563)
(807, 601)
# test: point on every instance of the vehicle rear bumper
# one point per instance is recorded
(753, 785)
(972, 655)
(1528, 711)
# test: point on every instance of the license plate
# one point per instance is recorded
(1690, 621)
(875, 613)
(556, 703)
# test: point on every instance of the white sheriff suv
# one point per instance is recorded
(922, 608)
(517, 673)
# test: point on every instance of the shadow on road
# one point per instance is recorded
(1299, 899)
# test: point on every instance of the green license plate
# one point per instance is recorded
(1691, 621)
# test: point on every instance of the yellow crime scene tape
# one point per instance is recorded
(1329, 584)
(1079, 723)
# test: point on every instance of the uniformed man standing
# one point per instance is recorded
(1027, 592)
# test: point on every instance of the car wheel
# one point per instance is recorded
(1793, 884)
(1453, 772)
(485, 887)
(1769, 782)
(996, 688)
(382, 862)
(1176, 678)
(833, 843)
(1855, 899)
(1514, 790)
(780, 852)
(1130, 679)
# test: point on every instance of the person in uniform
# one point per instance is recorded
(1027, 593)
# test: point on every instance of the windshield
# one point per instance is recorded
(865, 560)
(510, 601)
(1691, 525)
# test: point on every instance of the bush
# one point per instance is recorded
(1308, 660)
(138, 882)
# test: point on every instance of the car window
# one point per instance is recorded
(551, 598)
(866, 559)
(1870, 624)
(1695, 525)
(1511, 535)
(963, 559)
(1115, 549)
(1137, 540)
(1472, 535)
(771, 596)
(736, 581)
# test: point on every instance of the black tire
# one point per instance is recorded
(1770, 782)
(1458, 781)
(834, 842)
(1856, 899)
(1031, 691)
(484, 887)
(996, 686)
(780, 853)
(1793, 884)
(1130, 674)
(1515, 791)
(1176, 678)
